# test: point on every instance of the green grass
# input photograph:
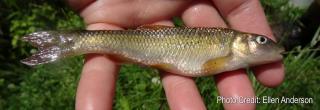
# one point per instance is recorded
(49, 86)
(53, 86)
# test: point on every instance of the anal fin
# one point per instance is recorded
(163, 66)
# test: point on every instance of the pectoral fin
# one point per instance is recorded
(216, 65)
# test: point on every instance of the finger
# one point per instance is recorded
(139, 13)
(181, 92)
(248, 15)
(202, 14)
(230, 84)
(270, 75)
(97, 84)
(235, 84)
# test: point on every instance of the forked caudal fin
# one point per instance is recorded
(50, 44)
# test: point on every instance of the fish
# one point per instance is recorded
(187, 51)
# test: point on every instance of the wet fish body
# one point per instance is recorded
(185, 51)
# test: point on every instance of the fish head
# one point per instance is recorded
(257, 49)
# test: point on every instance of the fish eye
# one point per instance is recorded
(261, 40)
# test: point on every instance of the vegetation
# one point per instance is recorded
(53, 86)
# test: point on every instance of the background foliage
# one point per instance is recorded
(52, 86)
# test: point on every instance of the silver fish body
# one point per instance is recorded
(185, 51)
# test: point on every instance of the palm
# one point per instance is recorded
(96, 87)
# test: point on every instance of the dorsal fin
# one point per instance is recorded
(152, 27)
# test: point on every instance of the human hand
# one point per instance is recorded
(97, 83)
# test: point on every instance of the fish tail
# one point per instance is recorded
(52, 45)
